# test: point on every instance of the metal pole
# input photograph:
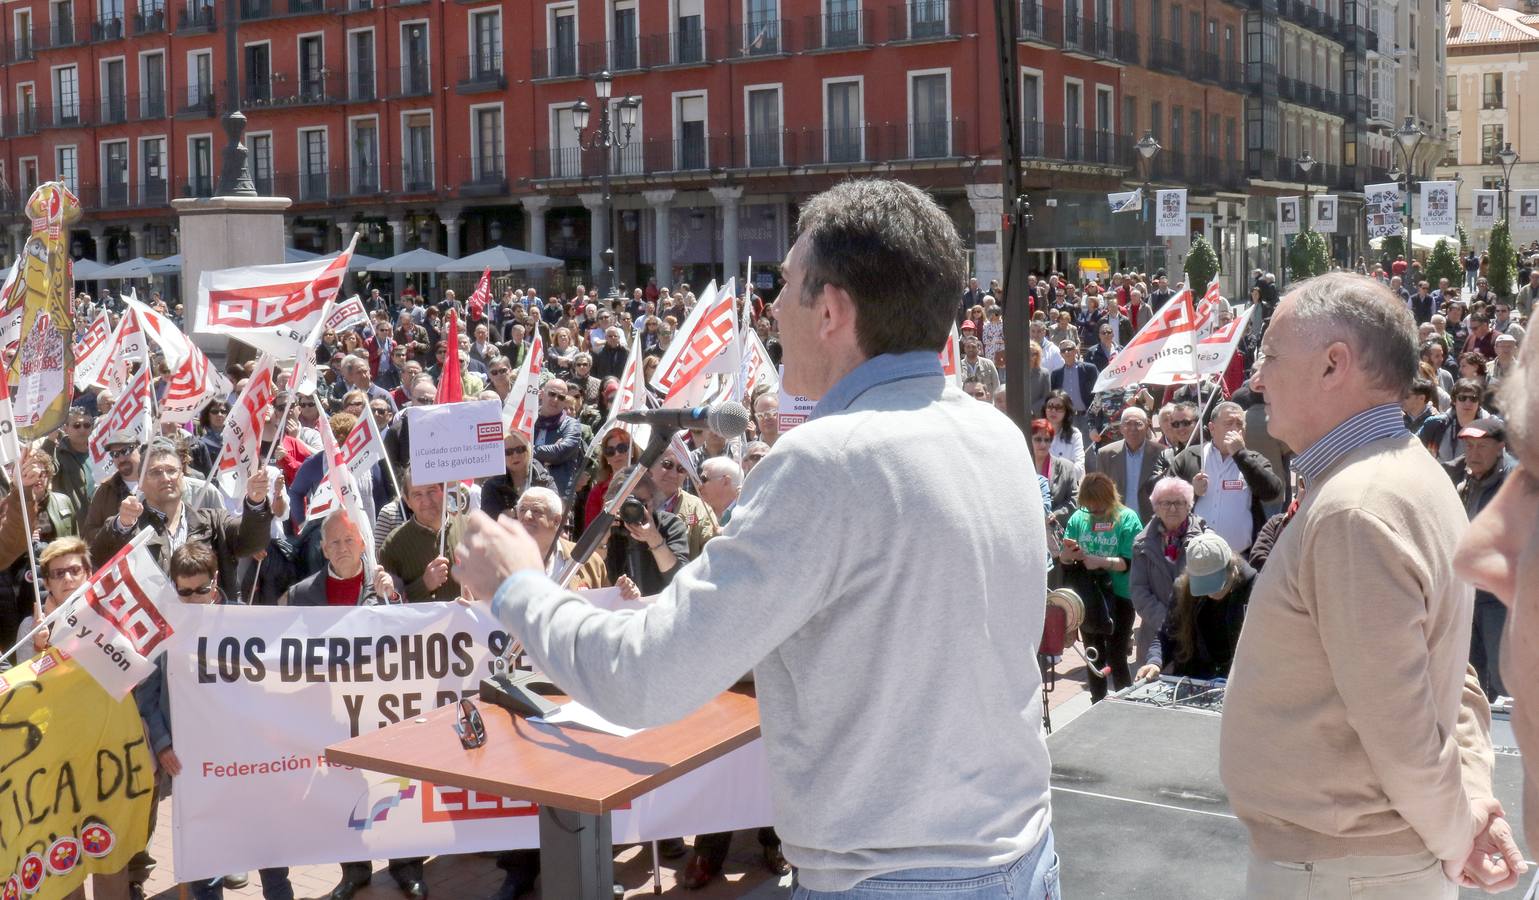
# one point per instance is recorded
(1148, 204)
(1015, 220)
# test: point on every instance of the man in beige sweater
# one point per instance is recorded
(1352, 747)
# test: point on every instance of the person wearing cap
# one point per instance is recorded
(1200, 634)
(125, 459)
(1486, 466)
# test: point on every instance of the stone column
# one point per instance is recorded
(536, 206)
(598, 237)
(397, 247)
(99, 241)
(662, 238)
(988, 216)
(347, 227)
(728, 199)
(450, 216)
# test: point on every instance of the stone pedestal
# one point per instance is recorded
(225, 233)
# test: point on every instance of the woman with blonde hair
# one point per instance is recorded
(1097, 554)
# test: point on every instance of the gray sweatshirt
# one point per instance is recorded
(886, 585)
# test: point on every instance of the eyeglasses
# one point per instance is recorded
(120, 452)
(617, 449)
(499, 371)
(520, 450)
(67, 571)
(1170, 504)
(1054, 406)
(306, 404)
(199, 591)
(1467, 398)
(469, 727)
(669, 465)
(1182, 423)
(584, 365)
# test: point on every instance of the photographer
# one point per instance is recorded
(647, 544)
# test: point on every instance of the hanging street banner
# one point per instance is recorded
(1170, 213)
(79, 774)
(258, 693)
(1382, 205)
(1439, 206)
(1528, 208)
(1324, 219)
(1288, 215)
(1487, 202)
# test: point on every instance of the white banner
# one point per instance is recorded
(1170, 213)
(1126, 201)
(1288, 215)
(1439, 208)
(1160, 349)
(706, 344)
(951, 357)
(242, 451)
(1487, 203)
(258, 693)
(1324, 221)
(454, 441)
(1381, 204)
(113, 625)
(346, 314)
(522, 405)
(794, 408)
(191, 387)
(91, 351)
(1216, 350)
(272, 307)
(1528, 208)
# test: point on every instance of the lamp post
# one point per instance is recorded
(1409, 138)
(234, 173)
(1307, 166)
(1508, 158)
(1147, 148)
(607, 138)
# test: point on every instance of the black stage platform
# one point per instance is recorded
(1139, 812)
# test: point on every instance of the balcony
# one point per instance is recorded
(150, 20)
(26, 122)
(1290, 89)
(131, 108)
(364, 181)
(410, 81)
(115, 195)
(107, 29)
(1125, 46)
(481, 176)
(198, 103)
(1493, 100)
(195, 17)
(761, 38)
(198, 186)
(481, 72)
(1075, 144)
(690, 47)
(21, 48)
(113, 110)
(1167, 56)
(1041, 25)
(1087, 37)
(360, 86)
(282, 90)
(571, 61)
(153, 192)
(62, 115)
(923, 20)
(255, 10)
(417, 177)
(61, 34)
(838, 31)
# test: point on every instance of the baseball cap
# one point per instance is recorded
(1505, 338)
(968, 325)
(1488, 427)
(1207, 563)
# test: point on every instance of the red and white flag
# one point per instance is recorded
(1207, 310)
(272, 307)
(242, 454)
(757, 368)
(1162, 349)
(1215, 351)
(190, 388)
(364, 448)
(130, 421)
(346, 314)
(306, 375)
(705, 345)
(91, 351)
(128, 343)
(112, 626)
(174, 345)
(951, 358)
(632, 395)
(523, 404)
(481, 296)
(340, 492)
(10, 447)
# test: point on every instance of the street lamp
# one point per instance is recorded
(606, 137)
(1306, 165)
(1409, 138)
(234, 173)
(1147, 148)
(1508, 158)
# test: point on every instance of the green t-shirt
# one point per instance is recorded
(1101, 538)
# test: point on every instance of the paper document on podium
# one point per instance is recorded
(574, 713)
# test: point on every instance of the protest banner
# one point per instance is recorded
(112, 625)
(1164, 346)
(79, 779)
(1214, 351)
(346, 314)
(44, 366)
(191, 386)
(272, 308)
(706, 344)
(258, 693)
(794, 408)
(456, 441)
(91, 351)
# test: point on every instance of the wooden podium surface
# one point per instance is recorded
(558, 766)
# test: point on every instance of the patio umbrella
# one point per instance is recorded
(88, 270)
(418, 260)
(138, 267)
(500, 259)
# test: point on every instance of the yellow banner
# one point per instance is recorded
(45, 362)
(76, 779)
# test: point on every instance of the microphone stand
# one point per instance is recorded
(594, 534)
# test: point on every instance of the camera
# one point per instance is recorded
(633, 512)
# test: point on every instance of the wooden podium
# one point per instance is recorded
(576, 776)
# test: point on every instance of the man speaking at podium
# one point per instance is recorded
(888, 609)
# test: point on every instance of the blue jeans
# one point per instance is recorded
(1034, 876)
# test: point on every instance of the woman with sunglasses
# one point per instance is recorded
(500, 493)
(1440, 434)
(616, 451)
(1068, 441)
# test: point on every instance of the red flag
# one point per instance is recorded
(450, 390)
(480, 296)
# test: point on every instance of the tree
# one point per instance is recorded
(1308, 256)
(1201, 264)
(1393, 246)
(1504, 261)
(1464, 239)
(1444, 263)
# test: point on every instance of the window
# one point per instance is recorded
(488, 144)
(416, 72)
(63, 23)
(152, 171)
(761, 27)
(22, 29)
(109, 21)
(152, 85)
(1176, 131)
(563, 40)
(66, 167)
(927, 18)
(28, 177)
(764, 126)
(565, 151)
(1213, 131)
(690, 116)
(1105, 136)
(313, 181)
(66, 96)
(841, 23)
(26, 108)
(262, 164)
(1490, 182)
(364, 145)
(360, 65)
(312, 67)
(930, 115)
(1156, 20)
(200, 168)
(1031, 114)
(200, 79)
(115, 173)
(1175, 25)
(1492, 139)
(259, 75)
(114, 92)
(623, 35)
(486, 45)
(1130, 116)
(419, 151)
(842, 118)
(1157, 119)
(1491, 91)
(689, 34)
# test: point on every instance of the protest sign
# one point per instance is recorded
(1163, 347)
(258, 693)
(794, 408)
(79, 781)
(456, 441)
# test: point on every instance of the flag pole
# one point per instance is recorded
(26, 524)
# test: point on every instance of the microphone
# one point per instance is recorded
(727, 418)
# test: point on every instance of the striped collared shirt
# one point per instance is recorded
(1364, 428)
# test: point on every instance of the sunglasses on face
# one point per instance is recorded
(1182, 423)
(515, 451)
(1467, 398)
(199, 591)
(66, 572)
(669, 465)
(499, 371)
(617, 449)
(120, 452)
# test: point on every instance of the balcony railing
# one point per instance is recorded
(410, 81)
(417, 177)
(923, 20)
(360, 85)
(252, 10)
(481, 176)
(1087, 36)
(286, 90)
(153, 192)
(115, 195)
(761, 37)
(197, 103)
(113, 110)
(837, 31)
(1167, 56)
(195, 17)
(107, 29)
(65, 115)
(150, 19)
(1493, 100)
(1075, 144)
(26, 121)
(62, 34)
(562, 62)
(22, 47)
(690, 47)
(482, 72)
(1125, 46)
(1041, 24)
